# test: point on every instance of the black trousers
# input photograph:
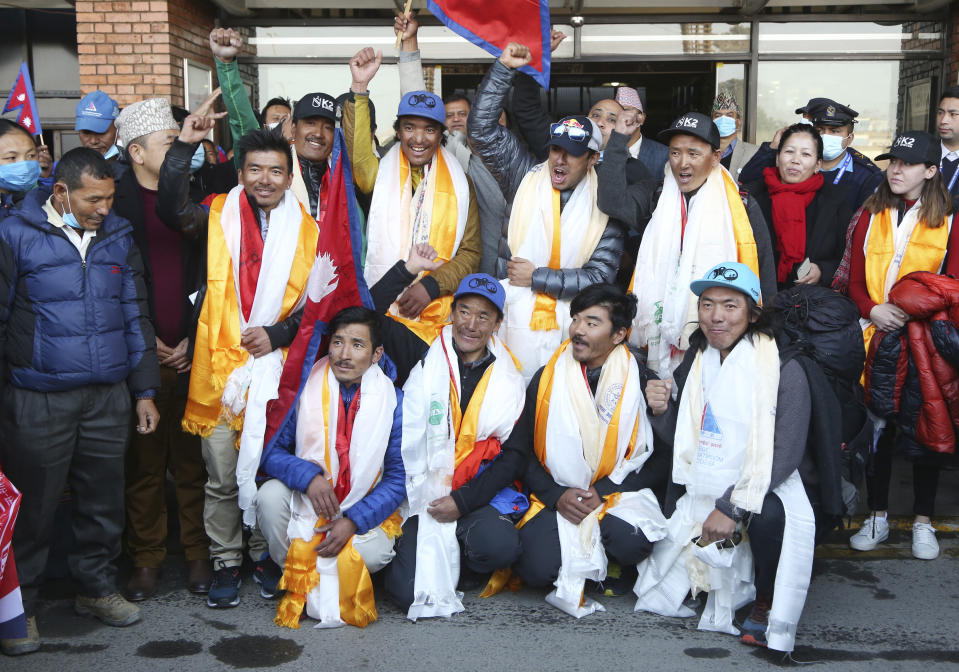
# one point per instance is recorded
(489, 541)
(539, 564)
(766, 542)
(51, 439)
(925, 479)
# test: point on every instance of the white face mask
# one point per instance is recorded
(832, 146)
(714, 556)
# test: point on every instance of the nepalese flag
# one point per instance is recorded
(21, 98)
(336, 281)
(13, 625)
(493, 24)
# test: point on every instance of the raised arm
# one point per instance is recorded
(225, 43)
(500, 150)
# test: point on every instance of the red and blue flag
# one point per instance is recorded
(13, 624)
(493, 24)
(336, 282)
(21, 98)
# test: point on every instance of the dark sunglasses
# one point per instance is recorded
(574, 133)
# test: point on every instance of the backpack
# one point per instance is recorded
(824, 325)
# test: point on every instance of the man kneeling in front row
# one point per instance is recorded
(327, 511)
(740, 429)
(591, 467)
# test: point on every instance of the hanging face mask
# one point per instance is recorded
(199, 157)
(726, 125)
(113, 151)
(68, 217)
(718, 554)
(273, 125)
(19, 176)
(832, 146)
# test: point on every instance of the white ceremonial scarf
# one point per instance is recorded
(576, 429)
(530, 237)
(668, 261)
(317, 443)
(251, 386)
(400, 217)
(730, 444)
(429, 445)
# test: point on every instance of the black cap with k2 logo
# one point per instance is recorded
(694, 124)
(914, 147)
(316, 105)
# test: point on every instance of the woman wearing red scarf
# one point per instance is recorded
(807, 216)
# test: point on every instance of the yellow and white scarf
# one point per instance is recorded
(335, 591)
(431, 451)
(895, 249)
(534, 323)
(226, 383)
(435, 213)
(581, 438)
(717, 230)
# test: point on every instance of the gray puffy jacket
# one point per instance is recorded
(508, 161)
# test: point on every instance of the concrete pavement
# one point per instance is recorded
(877, 611)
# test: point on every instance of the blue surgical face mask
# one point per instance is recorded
(19, 176)
(68, 217)
(832, 146)
(199, 157)
(113, 151)
(726, 125)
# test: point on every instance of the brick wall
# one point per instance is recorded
(135, 50)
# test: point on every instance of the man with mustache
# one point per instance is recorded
(76, 347)
(696, 218)
(314, 122)
(353, 505)
(559, 240)
(420, 194)
(261, 245)
(462, 396)
(591, 467)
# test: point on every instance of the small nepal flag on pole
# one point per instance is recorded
(336, 281)
(21, 98)
(493, 24)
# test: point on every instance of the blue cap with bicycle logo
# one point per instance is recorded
(733, 275)
(482, 284)
(423, 104)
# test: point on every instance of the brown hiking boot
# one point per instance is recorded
(112, 609)
(21, 645)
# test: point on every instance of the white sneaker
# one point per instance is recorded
(874, 530)
(924, 544)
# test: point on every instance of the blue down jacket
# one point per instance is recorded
(66, 322)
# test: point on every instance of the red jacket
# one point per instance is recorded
(932, 340)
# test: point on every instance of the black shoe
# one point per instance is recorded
(619, 580)
(267, 573)
(225, 589)
(470, 580)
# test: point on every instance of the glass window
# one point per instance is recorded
(846, 38)
(731, 78)
(869, 87)
(664, 39)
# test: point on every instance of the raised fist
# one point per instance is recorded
(225, 43)
(363, 67)
(515, 55)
